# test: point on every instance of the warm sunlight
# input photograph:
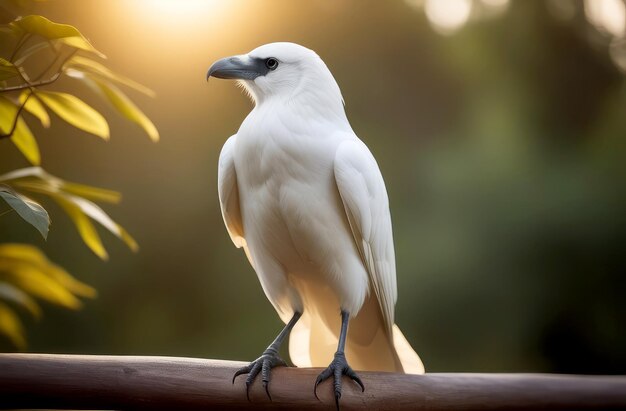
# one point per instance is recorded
(448, 16)
(171, 8)
(156, 22)
(179, 13)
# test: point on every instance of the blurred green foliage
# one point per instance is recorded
(502, 145)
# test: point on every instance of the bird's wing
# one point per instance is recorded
(364, 197)
(229, 193)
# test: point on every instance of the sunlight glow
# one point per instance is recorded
(180, 8)
(607, 15)
(180, 15)
(447, 16)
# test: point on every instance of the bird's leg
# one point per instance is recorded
(339, 366)
(268, 360)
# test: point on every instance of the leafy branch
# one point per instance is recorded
(57, 38)
(25, 273)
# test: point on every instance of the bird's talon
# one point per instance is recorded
(242, 370)
(266, 385)
(337, 368)
(262, 365)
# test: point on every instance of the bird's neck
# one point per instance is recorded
(306, 106)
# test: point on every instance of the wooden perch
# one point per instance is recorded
(159, 383)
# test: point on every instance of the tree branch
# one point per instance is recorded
(158, 383)
(31, 85)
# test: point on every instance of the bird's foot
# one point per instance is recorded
(338, 367)
(264, 364)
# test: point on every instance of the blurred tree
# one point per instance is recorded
(35, 53)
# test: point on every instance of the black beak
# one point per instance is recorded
(238, 68)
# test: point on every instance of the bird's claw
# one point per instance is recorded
(264, 364)
(338, 367)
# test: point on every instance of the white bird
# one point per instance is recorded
(305, 199)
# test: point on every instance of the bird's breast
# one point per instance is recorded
(290, 205)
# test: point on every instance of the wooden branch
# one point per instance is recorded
(159, 383)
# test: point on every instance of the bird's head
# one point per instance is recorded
(284, 71)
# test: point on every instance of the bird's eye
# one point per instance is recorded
(271, 63)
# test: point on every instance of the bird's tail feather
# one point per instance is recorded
(411, 362)
(313, 343)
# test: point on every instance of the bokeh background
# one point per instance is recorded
(500, 129)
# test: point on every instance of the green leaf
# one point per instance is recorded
(127, 108)
(70, 283)
(74, 199)
(87, 65)
(13, 294)
(22, 136)
(34, 107)
(29, 254)
(35, 281)
(8, 110)
(25, 272)
(76, 112)
(92, 193)
(25, 267)
(29, 210)
(11, 326)
(97, 214)
(84, 226)
(37, 180)
(80, 211)
(54, 31)
(7, 69)
(26, 143)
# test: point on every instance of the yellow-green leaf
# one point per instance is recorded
(34, 281)
(75, 199)
(34, 107)
(54, 31)
(96, 213)
(84, 226)
(14, 251)
(25, 272)
(76, 112)
(25, 172)
(13, 294)
(26, 253)
(35, 179)
(127, 108)
(92, 193)
(7, 69)
(26, 143)
(22, 136)
(70, 283)
(11, 326)
(8, 110)
(85, 64)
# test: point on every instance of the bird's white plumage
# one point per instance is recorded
(228, 192)
(364, 196)
(306, 200)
